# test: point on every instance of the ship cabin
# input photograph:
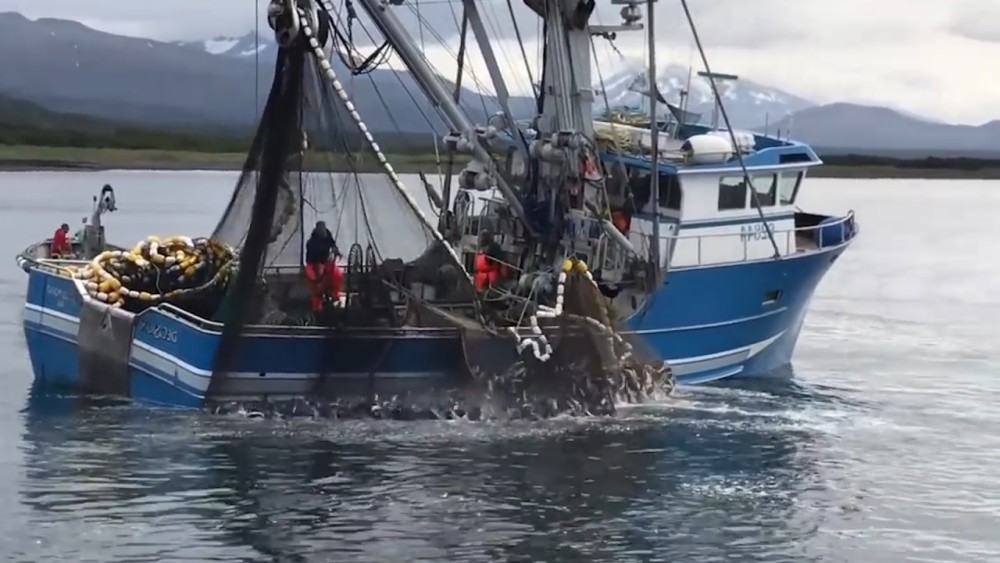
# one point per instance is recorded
(708, 213)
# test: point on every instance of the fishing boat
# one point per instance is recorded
(711, 269)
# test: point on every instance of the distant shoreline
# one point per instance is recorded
(865, 172)
(38, 159)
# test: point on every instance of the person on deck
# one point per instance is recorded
(622, 217)
(325, 277)
(60, 247)
(488, 266)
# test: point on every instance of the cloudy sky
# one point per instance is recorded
(934, 57)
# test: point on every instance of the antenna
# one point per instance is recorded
(687, 86)
(722, 82)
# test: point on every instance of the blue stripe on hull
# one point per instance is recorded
(358, 352)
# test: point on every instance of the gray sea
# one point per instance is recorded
(881, 444)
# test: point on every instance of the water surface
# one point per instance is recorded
(880, 447)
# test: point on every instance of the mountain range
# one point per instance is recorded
(67, 67)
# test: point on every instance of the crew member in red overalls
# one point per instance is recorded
(60, 247)
(488, 267)
(325, 277)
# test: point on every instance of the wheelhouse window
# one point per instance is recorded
(668, 190)
(732, 193)
(788, 187)
(765, 187)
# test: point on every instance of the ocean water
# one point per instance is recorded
(881, 444)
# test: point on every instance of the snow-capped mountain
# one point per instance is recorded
(67, 67)
(748, 103)
(245, 46)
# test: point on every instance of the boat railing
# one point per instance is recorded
(717, 248)
(48, 265)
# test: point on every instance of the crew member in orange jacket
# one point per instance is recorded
(620, 221)
(61, 248)
(622, 217)
(488, 267)
(325, 277)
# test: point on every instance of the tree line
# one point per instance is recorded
(206, 140)
(95, 133)
(927, 163)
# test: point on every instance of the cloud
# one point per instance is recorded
(929, 57)
(901, 53)
(155, 19)
(979, 23)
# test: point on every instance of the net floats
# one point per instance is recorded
(157, 270)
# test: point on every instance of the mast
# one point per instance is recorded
(566, 87)
(722, 83)
(654, 143)
(486, 50)
(446, 188)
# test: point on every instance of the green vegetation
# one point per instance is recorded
(22, 157)
(864, 166)
(28, 124)
(928, 163)
(33, 137)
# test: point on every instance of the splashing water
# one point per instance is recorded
(513, 395)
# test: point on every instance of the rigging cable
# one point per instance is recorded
(384, 59)
(472, 72)
(729, 127)
(491, 24)
(434, 135)
(256, 61)
(327, 68)
(520, 43)
(614, 139)
(351, 183)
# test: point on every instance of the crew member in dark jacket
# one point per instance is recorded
(325, 277)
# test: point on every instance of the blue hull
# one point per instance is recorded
(726, 320)
(709, 322)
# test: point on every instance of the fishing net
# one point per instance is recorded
(306, 129)
(391, 255)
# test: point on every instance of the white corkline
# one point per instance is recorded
(540, 342)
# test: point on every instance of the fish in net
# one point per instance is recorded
(576, 359)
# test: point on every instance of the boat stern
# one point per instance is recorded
(51, 325)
